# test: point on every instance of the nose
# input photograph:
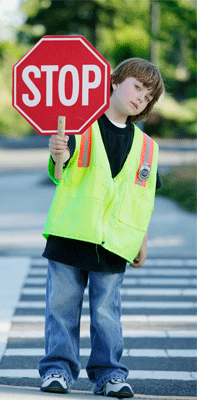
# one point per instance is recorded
(140, 97)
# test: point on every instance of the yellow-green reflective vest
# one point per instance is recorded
(91, 206)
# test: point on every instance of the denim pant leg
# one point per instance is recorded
(64, 296)
(106, 329)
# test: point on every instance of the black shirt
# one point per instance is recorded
(85, 255)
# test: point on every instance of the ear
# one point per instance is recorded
(114, 86)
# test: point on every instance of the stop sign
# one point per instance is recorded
(61, 75)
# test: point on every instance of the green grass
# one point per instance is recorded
(179, 184)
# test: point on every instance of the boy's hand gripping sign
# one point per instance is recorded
(62, 78)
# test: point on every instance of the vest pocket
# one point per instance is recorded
(136, 207)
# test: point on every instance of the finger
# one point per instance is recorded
(66, 138)
(58, 145)
(136, 265)
(57, 149)
(57, 139)
(137, 262)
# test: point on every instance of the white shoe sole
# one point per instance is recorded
(54, 387)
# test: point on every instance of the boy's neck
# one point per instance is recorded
(115, 117)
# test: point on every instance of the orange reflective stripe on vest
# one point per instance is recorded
(85, 148)
(146, 159)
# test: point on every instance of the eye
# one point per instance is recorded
(137, 87)
(147, 99)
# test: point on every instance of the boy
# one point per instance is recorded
(97, 222)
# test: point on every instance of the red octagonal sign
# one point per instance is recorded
(61, 75)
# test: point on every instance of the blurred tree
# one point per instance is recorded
(63, 17)
(11, 123)
(178, 37)
(163, 31)
(175, 36)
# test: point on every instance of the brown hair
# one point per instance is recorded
(145, 72)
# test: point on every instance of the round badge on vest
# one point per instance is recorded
(144, 172)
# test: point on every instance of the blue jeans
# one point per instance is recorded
(64, 297)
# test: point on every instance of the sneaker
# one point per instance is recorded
(54, 384)
(116, 388)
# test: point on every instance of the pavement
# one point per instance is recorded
(27, 393)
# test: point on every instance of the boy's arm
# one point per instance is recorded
(58, 145)
(141, 256)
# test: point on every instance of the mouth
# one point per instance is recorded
(135, 105)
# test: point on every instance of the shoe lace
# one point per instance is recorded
(53, 376)
(116, 380)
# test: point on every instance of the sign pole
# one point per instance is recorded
(59, 161)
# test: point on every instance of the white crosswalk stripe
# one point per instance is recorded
(158, 317)
(139, 272)
(126, 352)
(176, 319)
(128, 291)
(125, 304)
(126, 333)
(137, 374)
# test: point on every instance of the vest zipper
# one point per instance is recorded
(97, 253)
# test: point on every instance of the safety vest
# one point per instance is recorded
(91, 206)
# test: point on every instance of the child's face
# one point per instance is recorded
(130, 96)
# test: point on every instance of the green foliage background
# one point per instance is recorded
(119, 29)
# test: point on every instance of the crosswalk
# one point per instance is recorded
(159, 328)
